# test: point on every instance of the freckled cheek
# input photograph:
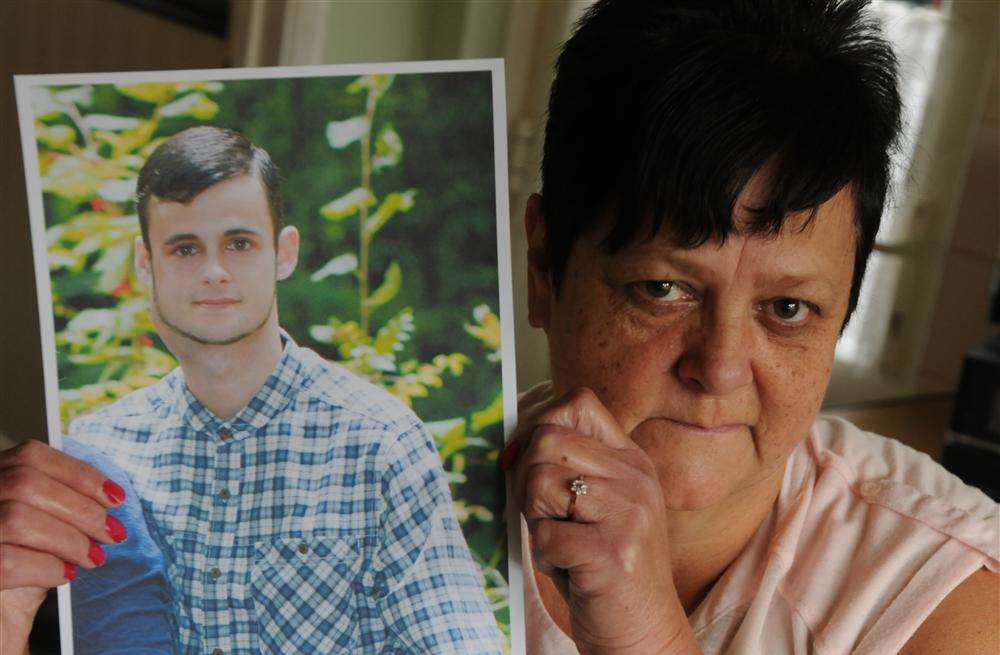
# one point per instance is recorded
(627, 367)
(791, 395)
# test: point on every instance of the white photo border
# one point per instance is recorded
(23, 85)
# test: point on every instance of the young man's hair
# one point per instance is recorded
(191, 161)
(662, 110)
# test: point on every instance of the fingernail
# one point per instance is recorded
(509, 455)
(69, 571)
(96, 554)
(114, 493)
(116, 529)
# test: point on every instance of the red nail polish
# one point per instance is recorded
(114, 493)
(96, 554)
(69, 571)
(116, 529)
(509, 456)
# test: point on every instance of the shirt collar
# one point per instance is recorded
(272, 397)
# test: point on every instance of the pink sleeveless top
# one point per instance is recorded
(866, 538)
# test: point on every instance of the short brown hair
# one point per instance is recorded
(198, 158)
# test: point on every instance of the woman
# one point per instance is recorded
(714, 176)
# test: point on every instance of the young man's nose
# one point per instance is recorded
(214, 272)
(717, 361)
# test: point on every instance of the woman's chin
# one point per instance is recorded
(696, 471)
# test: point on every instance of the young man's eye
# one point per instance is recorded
(240, 244)
(185, 250)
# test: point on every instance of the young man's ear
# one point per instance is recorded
(539, 274)
(142, 262)
(287, 255)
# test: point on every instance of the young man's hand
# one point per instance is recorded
(53, 519)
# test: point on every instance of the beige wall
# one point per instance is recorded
(961, 313)
(61, 36)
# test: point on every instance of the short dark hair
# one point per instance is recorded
(662, 110)
(197, 158)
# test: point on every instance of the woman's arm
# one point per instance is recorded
(967, 622)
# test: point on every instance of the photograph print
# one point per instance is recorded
(275, 305)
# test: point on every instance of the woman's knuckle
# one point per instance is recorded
(22, 453)
(625, 555)
(12, 517)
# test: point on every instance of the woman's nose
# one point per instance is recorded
(718, 361)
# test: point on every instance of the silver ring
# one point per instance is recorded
(577, 488)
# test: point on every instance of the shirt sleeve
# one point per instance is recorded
(124, 605)
(430, 592)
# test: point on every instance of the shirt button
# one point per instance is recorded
(215, 573)
(303, 548)
(224, 494)
(225, 434)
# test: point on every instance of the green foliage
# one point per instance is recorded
(397, 271)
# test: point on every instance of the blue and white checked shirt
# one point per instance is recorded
(316, 520)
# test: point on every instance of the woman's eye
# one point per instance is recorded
(662, 289)
(790, 310)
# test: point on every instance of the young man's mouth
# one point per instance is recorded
(213, 303)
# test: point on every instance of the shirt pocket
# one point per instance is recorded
(304, 594)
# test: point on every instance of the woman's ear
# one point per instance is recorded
(539, 274)
(287, 251)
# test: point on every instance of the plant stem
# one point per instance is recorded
(366, 179)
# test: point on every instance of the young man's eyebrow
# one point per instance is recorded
(187, 236)
(241, 230)
(177, 238)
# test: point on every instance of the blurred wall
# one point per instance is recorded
(62, 36)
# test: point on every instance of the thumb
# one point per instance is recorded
(583, 412)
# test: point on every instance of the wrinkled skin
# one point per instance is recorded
(681, 381)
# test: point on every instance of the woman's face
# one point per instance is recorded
(714, 359)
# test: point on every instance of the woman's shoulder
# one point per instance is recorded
(884, 472)
(874, 536)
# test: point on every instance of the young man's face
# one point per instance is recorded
(695, 352)
(212, 263)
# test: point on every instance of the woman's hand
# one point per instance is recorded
(52, 520)
(610, 560)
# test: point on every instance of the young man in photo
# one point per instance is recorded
(298, 507)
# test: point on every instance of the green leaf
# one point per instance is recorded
(377, 83)
(56, 137)
(347, 204)
(394, 202)
(343, 133)
(487, 417)
(155, 92)
(388, 149)
(196, 105)
(449, 437)
(113, 266)
(79, 178)
(321, 333)
(346, 263)
(118, 190)
(488, 329)
(78, 95)
(45, 104)
(388, 289)
(109, 122)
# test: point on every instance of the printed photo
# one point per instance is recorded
(275, 308)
